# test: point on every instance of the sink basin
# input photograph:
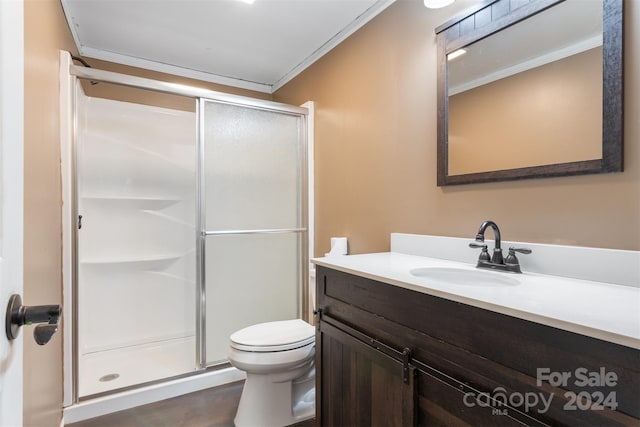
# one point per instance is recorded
(459, 276)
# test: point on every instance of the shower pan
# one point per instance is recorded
(185, 221)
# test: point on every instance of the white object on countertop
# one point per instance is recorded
(339, 246)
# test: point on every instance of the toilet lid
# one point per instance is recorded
(274, 336)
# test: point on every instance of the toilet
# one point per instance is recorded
(278, 358)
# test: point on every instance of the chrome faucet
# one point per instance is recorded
(496, 261)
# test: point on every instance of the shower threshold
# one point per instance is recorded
(96, 406)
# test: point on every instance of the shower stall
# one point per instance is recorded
(186, 215)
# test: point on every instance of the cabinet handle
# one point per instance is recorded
(318, 314)
(406, 359)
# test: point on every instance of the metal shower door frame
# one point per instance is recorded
(303, 295)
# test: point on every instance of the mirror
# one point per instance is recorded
(522, 102)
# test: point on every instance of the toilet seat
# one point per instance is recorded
(274, 336)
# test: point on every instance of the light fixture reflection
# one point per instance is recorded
(455, 54)
(437, 4)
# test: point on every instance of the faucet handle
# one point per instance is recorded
(484, 255)
(477, 245)
(512, 260)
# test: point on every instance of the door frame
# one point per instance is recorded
(67, 163)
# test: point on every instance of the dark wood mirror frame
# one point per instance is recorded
(492, 16)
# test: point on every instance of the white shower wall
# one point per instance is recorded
(136, 247)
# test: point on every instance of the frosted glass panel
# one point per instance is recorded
(249, 279)
(136, 248)
(252, 168)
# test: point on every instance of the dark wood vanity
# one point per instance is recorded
(386, 355)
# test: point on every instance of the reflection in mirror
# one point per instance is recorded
(527, 100)
(530, 104)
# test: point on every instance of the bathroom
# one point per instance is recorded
(375, 161)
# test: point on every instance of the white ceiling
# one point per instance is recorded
(258, 46)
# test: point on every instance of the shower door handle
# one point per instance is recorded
(18, 315)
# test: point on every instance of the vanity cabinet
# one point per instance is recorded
(386, 355)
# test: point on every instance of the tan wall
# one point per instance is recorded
(45, 34)
(546, 115)
(375, 152)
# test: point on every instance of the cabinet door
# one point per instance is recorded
(443, 401)
(359, 385)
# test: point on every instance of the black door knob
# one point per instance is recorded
(19, 315)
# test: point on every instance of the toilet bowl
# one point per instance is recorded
(278, 358)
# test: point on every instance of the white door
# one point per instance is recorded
(11, 201)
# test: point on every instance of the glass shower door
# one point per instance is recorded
(254, 221)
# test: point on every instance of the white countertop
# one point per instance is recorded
(600, 310)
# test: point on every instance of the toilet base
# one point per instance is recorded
(274, 408)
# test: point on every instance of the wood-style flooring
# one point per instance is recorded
(213, 407)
